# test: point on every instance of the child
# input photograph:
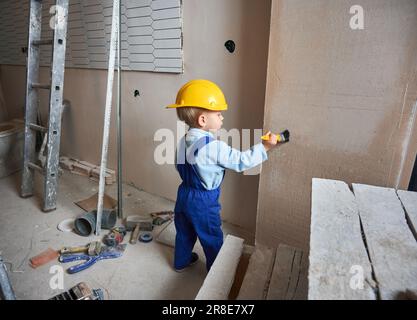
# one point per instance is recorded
(201, 162)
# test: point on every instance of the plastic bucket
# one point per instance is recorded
(85, 224)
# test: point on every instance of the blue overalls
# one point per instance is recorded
(197, 214)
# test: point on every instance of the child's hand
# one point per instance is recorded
(271, 143)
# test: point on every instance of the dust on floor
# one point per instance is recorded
(143, 272)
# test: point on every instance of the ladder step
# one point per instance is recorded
(38, 128)
(36, 167)
(41, 85)
(55, 85)
(42, 42)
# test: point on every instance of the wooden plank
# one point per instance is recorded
(337, 251)
(220, 278)
(391, 245)
(409, 201)
(289, 277)
(256, 280)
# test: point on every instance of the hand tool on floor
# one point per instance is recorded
(159, 218)
(106, 253)
(135, 235)
(145, 223)
(80, 292)
(92, 249)
(281, 137)
(161, 213)
(115, 236)
(145, 237)
(160, 221)
(43, 258)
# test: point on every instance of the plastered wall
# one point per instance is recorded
(207, 25)
(348, 98)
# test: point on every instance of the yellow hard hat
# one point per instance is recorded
(200, 94)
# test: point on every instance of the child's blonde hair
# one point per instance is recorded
(189, 115)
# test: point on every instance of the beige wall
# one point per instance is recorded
(242, 76)
(348, 98)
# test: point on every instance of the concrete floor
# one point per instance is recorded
(143, 272)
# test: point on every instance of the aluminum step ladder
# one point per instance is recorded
(56, 86)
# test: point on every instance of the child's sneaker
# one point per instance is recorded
(194, 259)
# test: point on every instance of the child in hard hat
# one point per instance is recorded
(201, 161)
